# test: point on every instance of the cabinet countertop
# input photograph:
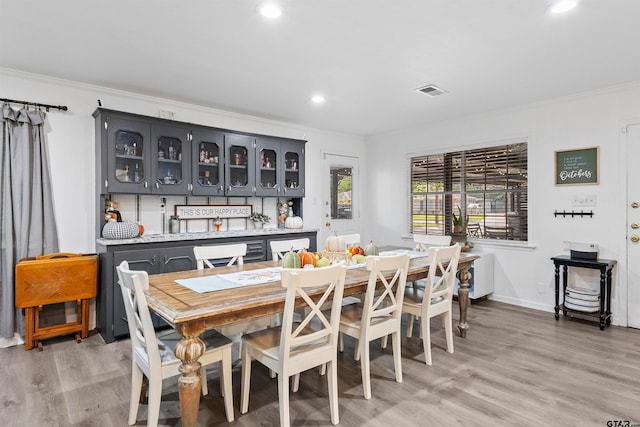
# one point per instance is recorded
(155, 238)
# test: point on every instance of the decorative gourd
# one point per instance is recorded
(293, 222)
(335, 244)
(307, 258)
(371, 249)
(291, 260)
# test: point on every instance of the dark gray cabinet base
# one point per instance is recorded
(163, 257)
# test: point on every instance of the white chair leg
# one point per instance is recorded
(410, 325)
(425, 328)
(246, 380)
(155, 394)
(356, 352)
(448, 330)
(340, 342)
(364, 367)
(203, 380)
(323, 369)
(295, 382)
(397, 355)
(283, 395)
(383, 343)
(332, 380)
(136, 388)
(225, 380)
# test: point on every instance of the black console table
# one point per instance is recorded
(605, 266)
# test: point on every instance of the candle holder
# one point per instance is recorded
(217, 222)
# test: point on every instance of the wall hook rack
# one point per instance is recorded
(572, 213)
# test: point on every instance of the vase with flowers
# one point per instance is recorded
(283, 212)
(259, 219)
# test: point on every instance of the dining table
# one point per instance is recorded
(184, 300)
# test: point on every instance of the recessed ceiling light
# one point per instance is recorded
(317, 99)
(563, 6)
(270, 10)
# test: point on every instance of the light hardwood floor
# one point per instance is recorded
(518, 367)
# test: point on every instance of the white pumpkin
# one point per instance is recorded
(335, 244)
(293, 222)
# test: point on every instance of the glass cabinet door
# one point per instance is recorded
(208, 155)
(293, 159)
(126, 156)
(268, 167)
(170, 159)
(240, 154)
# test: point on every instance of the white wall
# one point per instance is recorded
(584, 120)
(71, 139)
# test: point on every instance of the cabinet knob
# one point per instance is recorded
(635, 205)
(635, 238)
(635, 226)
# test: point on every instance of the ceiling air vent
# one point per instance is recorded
(431, 90)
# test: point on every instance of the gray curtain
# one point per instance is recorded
(27, 224)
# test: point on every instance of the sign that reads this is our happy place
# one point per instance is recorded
(577, 166)
(213, 211)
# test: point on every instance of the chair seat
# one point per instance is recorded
(352, 316)
(267, 341)
(413, 297)
(167, 343)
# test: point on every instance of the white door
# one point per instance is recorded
(633, 226)
(340, 199)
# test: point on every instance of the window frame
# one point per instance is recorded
(496, 198)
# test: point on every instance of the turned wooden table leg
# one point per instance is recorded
(189, 350)
(463, 299)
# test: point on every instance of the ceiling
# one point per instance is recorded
(365, 56)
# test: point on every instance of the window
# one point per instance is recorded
(487, 185)
(341, 206)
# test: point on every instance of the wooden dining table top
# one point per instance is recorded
(179, 305)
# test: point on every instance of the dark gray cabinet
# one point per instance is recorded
(122, 156)
(208, 159)
(170, 159)
(146, 155)
(163, 257)
(139, 155)
(239, 170)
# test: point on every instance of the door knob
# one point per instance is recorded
(635, 205)
(635, 226)
(635, 238)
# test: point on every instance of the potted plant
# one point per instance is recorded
(259, 219)
(460, 222)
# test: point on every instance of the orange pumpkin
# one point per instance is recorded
(356, 250)
(307, 258)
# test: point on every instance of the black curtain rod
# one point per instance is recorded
(35, 104)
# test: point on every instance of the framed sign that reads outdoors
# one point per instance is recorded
(581, 166)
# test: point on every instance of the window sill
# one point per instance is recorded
(491, 243)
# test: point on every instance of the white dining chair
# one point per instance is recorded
(380, 313)
(280, 247)
(422, 244)
(424, 241)
(235, 254)
(295, 347)
(154, 358)
(351, 239)
(205, 254)
(436, 297)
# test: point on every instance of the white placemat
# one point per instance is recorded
(231, 280)
(412, 254)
